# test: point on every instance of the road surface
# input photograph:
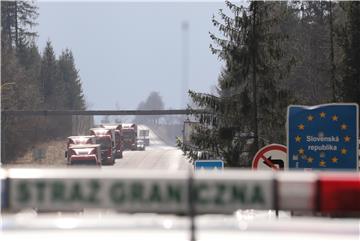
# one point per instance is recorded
(158, 155)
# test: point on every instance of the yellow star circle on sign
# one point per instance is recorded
(322, 163)
(298, 138)
(344, 127)
(347, 138)
(310, 118)
(334, 117)
(322, 114)
(310, 159)
(301, 127)
(334, 159)
(301, 151)
(343, 151)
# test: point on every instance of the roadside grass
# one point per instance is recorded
(51, 153)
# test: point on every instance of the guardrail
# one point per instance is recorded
(179, 192)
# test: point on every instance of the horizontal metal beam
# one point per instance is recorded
(96, 112)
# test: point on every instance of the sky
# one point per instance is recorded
(123, 51)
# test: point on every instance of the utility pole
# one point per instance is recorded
(185, 64)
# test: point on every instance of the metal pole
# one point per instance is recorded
(3, 125)
(276, 197)
(192, 211)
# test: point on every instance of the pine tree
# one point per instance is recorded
(351, 46)
(332, 61)
(26, 14)
(51, 88)
(17, 20)
(69, 76)
(250, 105)
(153, 102)
(7, 23)
(18, 92)
(30, 81)
(312, 30)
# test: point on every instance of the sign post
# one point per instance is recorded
(323, 137)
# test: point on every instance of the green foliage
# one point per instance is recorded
(309, 35)
(351, 46)
(17, 20)
(69, 76)
(250, 47)
(30, 81)
(274, 54)
(49, 84)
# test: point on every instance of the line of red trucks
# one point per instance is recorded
(102, 146)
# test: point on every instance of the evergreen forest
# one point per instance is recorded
(33, 80)
(274, 54)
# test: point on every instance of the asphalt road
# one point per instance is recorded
(158, 155)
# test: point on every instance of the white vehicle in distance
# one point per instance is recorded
(140, 145)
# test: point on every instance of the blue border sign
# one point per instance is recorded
(323, 137)
(209, 164)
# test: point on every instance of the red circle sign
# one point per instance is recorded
(264, 155)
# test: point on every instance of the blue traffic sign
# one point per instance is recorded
(208, 164)
(323, 137)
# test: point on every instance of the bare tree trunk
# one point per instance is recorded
(255, 117)
(16, 25)
(333, 80)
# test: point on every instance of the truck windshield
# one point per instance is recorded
(128, 134)
(104, 142)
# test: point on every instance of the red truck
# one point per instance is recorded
(106, 139)
(129, 132)
(72, 140)
(84, 154)
(119, 143)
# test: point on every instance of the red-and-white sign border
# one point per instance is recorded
(261, 153)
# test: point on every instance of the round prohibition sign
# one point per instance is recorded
(273, 156)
